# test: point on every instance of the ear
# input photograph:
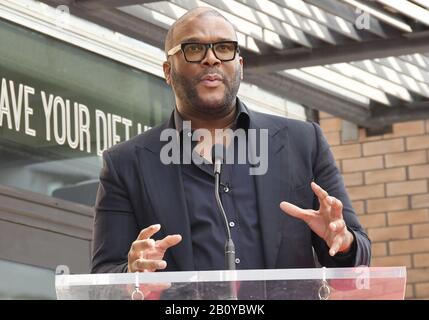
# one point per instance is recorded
(241, 66)
(167, 72)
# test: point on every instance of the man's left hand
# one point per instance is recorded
(327, 222)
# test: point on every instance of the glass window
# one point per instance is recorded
(20, 281)
(60, 106)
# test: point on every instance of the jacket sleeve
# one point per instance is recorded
(327, 175)
(115, 226)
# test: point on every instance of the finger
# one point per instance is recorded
(149, 231)
(337, 208)
(324, 199)
(142, 245)
(297, 212)
(150, 265)
(147, 288)
(168, 241)
(336, 244)
(337, 226)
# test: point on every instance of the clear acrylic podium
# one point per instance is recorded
(387, 283)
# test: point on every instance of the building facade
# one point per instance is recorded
(69, 89)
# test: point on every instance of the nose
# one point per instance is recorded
(210, 58)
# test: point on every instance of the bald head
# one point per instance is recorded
(197, 13)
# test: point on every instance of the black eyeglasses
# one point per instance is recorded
(195, 52)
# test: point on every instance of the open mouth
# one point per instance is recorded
(211, 80)
(211, 83)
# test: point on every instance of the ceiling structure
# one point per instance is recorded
(366, 61)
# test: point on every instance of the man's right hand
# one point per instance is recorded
(146, 254)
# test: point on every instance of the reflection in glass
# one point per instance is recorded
(61, 106)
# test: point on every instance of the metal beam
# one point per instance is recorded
(103, 4)
(311, 96)
(256, 29)
(384, 70)
(409, 9)
(315, 98)
(337, 24)
(382, 117)
(276, 17)
(348, 13)
(281, 85)
(119, 21)
(299, 58)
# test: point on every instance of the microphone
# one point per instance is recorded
(218, 153)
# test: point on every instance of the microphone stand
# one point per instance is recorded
(229, 245)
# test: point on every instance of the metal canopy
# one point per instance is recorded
(364, 61)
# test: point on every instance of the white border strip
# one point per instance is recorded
(242, 275)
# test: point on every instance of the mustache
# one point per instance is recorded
(212, 72)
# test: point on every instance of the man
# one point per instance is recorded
(151, 216)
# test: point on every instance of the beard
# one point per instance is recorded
(186, 90)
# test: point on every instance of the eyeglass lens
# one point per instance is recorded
(195, 52)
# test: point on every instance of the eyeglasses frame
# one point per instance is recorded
(181, 47)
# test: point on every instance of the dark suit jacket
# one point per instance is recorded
(137, 190)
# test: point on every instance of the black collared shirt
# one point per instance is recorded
(238, 195)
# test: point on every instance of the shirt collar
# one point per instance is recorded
(241, 121)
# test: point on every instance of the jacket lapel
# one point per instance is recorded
(272, 188)
(164, 187)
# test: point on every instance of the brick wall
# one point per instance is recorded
(387, 178)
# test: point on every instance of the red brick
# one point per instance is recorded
(421, 260)
(419, 172)
(366, 192)
(347, 151)
(363, 164)
(409, 246)
(416, 143)
(373, 220)
(359, 207)
(353, 179)
(420, 201)
(420, 230)
(408, 128)
(387, 204)
(331, 124)
(339, 165)
(386, 175)
(417, 275)
(408, 217)
(392, 261)
(405, 159)
(364, 138)
(383, 147)
(422, 290)
(325, 115)
(389, 233)
(333, 138)
(378, 249)
(406, 188)
(409, 291)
